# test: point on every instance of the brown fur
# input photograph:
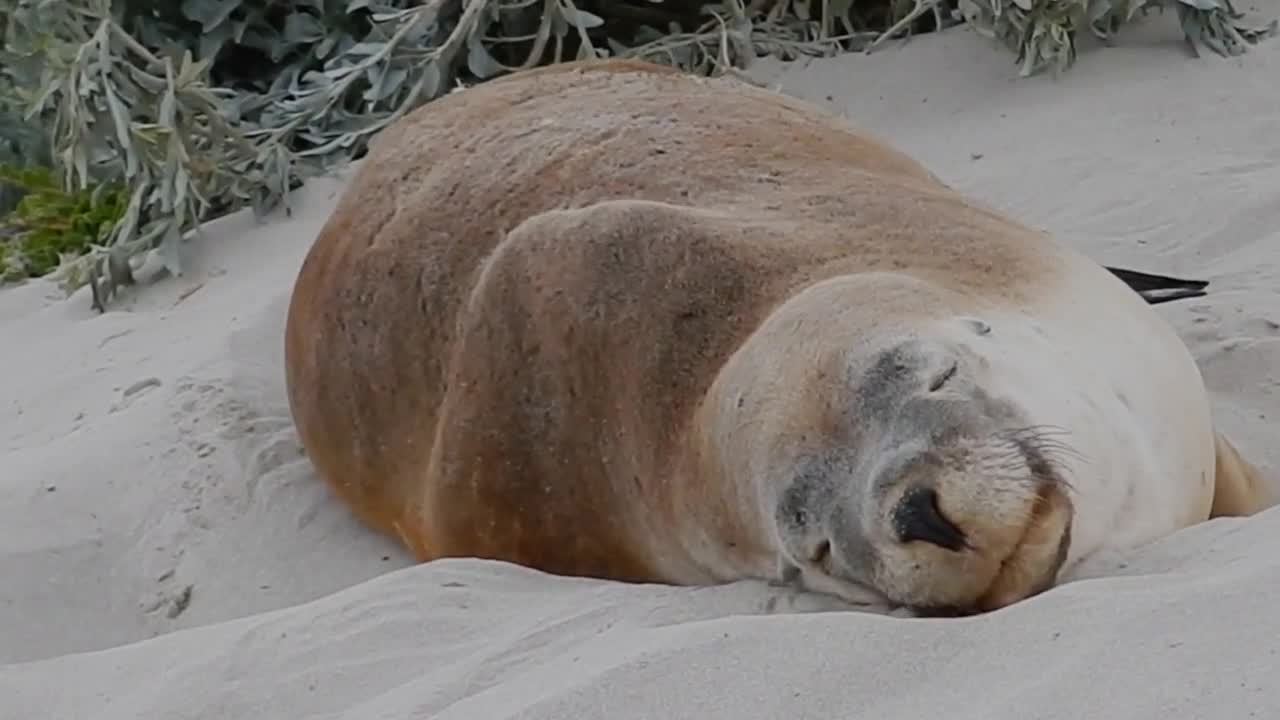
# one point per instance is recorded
(1239, 488)
(502, 341)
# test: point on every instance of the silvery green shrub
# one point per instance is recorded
(202, 107)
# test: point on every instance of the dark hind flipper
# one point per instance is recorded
(1160, 288)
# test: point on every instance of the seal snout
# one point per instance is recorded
(972, 517)
(917, 518)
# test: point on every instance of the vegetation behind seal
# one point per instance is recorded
(150, 117)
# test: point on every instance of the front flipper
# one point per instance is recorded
(1240, 488)
(1160, 288)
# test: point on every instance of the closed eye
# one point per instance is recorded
(941, 378)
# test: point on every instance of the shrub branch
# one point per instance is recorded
(198, 108)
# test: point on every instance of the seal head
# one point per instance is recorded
(904, 468)
(942, 497)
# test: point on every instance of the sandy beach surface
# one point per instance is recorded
(167, 553)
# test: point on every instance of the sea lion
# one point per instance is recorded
(606, 319)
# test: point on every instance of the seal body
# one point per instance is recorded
(609, 320)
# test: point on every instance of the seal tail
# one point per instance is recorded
(1157, 289)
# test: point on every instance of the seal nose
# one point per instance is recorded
(917, 517)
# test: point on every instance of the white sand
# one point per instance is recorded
(149, 450)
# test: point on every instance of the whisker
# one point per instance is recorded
(1045, 444)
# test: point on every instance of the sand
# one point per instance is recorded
(166, 552)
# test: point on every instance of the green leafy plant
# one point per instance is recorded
(50, 224)
(121, 113)
(196, 108)
(23, 141)
(1043, 32)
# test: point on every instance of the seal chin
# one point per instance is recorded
(821, 577)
